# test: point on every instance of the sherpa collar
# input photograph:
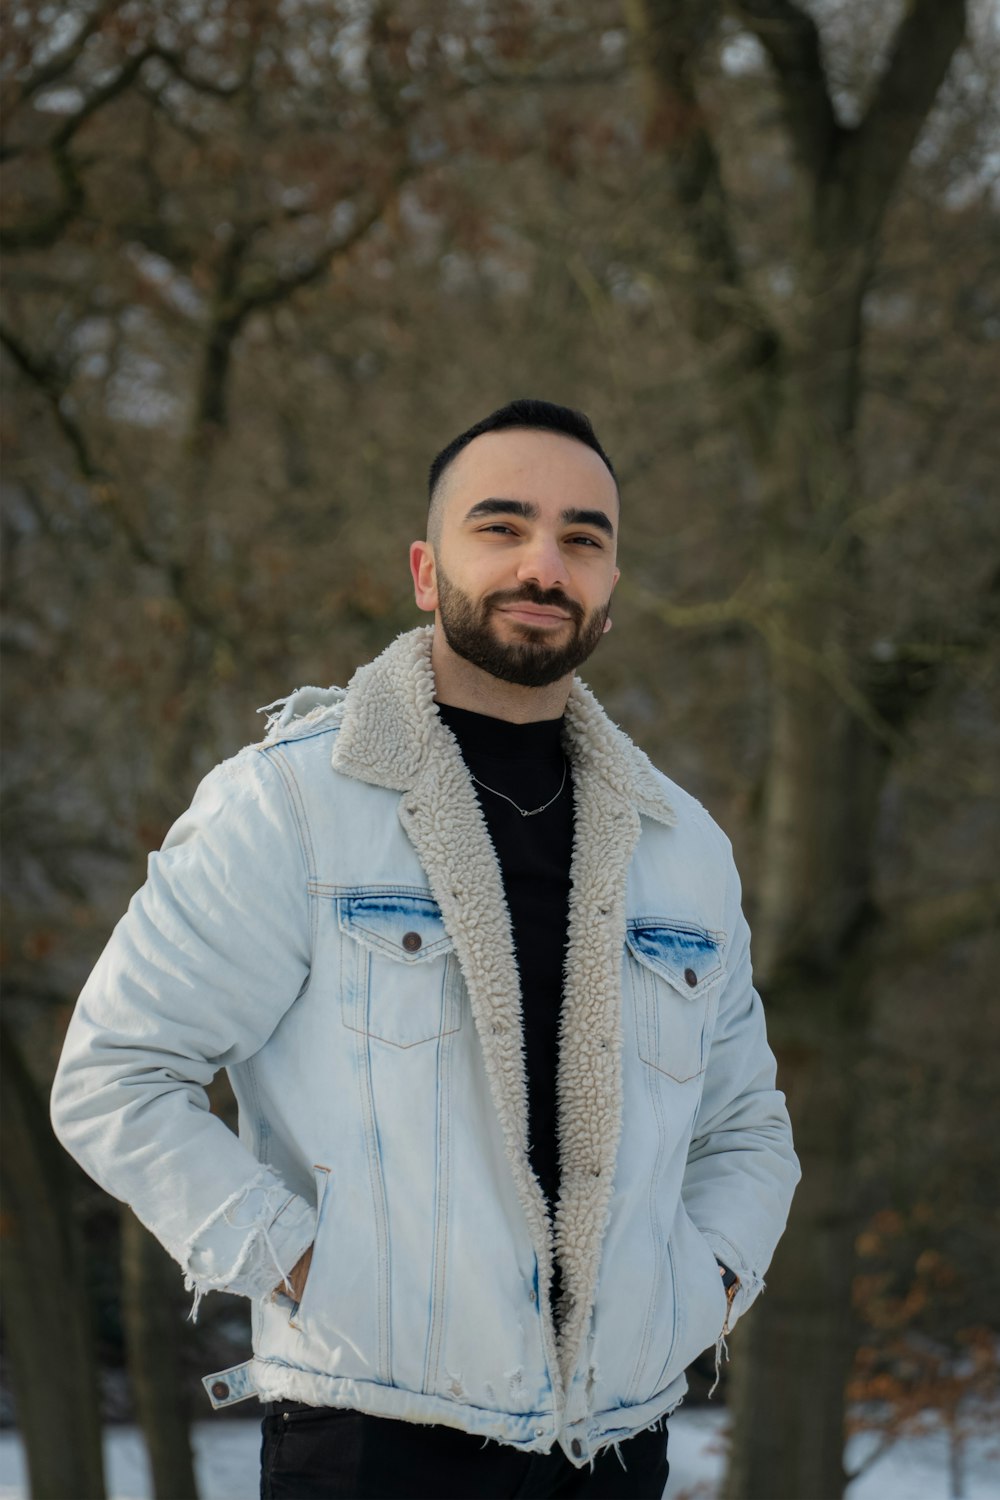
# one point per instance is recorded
(390, 725)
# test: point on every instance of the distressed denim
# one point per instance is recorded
(327, 923)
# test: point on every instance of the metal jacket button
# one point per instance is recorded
(690, 976)
(219, 1389)
(576, 1447)
(412, 941)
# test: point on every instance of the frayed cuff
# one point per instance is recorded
(251, 1243)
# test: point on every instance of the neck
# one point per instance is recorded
(460, 684)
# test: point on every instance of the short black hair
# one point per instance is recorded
(544, 416)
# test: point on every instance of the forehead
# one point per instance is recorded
(545, 468)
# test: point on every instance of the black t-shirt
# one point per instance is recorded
(526, 763)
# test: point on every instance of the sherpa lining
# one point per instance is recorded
(391, 735)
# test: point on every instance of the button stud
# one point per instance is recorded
(576, 1448)
(412, 941)
(220, 1389)
(690, 977)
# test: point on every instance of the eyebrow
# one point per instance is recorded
(528, 511)
(576, 517)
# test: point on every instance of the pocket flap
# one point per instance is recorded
(689, 958)
(408, 928)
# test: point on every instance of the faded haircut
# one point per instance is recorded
(542, 416)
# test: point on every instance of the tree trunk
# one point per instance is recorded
(152, 1318)
(792, 1357)
(814, 946)
(956, 1463)
(46, 1311)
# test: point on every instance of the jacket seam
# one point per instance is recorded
(273, 757)
(439, 1266)
(488, 1411)
(282, 767)
(290, 737)
(654, 1219)
(326, 887)
(376, 1179)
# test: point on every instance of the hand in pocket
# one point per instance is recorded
(297, 1277)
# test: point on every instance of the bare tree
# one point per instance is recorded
(790, 381)
(259, 259)
(46, 1308)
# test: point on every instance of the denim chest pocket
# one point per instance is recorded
(400, 980)
(675, 973)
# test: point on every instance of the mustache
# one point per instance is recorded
(531, 594)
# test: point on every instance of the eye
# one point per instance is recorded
(587, 541)
(500, 527)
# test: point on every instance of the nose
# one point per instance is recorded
(543, 564)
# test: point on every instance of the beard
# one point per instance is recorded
(530, 662)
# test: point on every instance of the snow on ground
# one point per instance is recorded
(226, 1462)
(915, 1469)
(226, 1458)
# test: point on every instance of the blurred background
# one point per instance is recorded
(263, 259)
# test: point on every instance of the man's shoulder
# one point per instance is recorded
(692, 816)
(304, 712)
(296, 726)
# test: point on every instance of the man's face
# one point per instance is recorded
(523, 568)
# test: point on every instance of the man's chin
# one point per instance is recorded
(539, 637)
(528, 665)
(530, 646)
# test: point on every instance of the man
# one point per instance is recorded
(510, 1144)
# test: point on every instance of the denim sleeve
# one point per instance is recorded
(741, 1169)
(212, 951)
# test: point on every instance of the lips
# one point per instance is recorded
(533, 614)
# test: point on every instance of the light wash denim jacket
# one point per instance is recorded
(327, 922)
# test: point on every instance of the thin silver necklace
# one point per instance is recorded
(526, 812)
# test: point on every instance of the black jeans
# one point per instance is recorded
(325, 1453)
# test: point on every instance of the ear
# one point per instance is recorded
(607, 623)
(424, 570)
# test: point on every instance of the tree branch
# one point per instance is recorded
(879, 1451)
(234, 304)
(60, 62)
(46, 229)
(157, 99)
(42, 374)
(791, 39)
(713, 614)
(278, 288)
(484, 75)
(129, 70)
(381, 82)
(669, 38)
(753, 606)
(873, 156)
